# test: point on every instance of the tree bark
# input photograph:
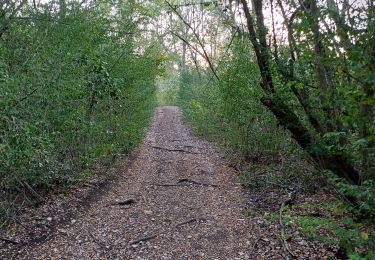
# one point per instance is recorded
(275, 51)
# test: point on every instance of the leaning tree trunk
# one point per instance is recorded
(338, 164)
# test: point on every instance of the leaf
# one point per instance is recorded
(364, 235)
(361, 142)
(330, 135)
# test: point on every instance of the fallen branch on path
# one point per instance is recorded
(173, 150)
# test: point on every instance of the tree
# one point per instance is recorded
(338, 163)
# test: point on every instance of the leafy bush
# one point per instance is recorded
(342, 231)
(229, 111)
(72, 92)
(363, 195)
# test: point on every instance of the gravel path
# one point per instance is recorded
(188, 205)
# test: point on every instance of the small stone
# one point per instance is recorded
(73, 221)
(49, 219)
(189, 237)
(147, 212)
(63, 231)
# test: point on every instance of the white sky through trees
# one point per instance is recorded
(215, 36)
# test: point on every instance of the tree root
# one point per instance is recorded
(124, 202)
(144, 239)
(173, 150)
(9, 241)
(183, 182)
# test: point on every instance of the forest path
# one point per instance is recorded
(188, 205)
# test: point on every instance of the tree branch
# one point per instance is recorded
(205, 55)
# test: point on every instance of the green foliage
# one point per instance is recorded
(278, 175)
(74, 90)
(229, 111)
(344, 232)
(167, 90)
(363, 195)
(334, 226)
(322, 85)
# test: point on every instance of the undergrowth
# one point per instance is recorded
(269, 160)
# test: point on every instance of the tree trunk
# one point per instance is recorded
(323, 72)
(286, 117)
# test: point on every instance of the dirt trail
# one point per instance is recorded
(187, 206)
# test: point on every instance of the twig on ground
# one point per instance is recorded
(144, 239)
(9, 241)
(282, 230)
(31, 190)
(124, 202)
(98, 242)
(169, 185)
(255, 243)
(195, 182)
(186, 222)
(181, 182)
(147, 238)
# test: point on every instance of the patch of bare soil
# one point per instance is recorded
(178, 200)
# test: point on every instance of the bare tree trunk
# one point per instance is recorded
(275, 52)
